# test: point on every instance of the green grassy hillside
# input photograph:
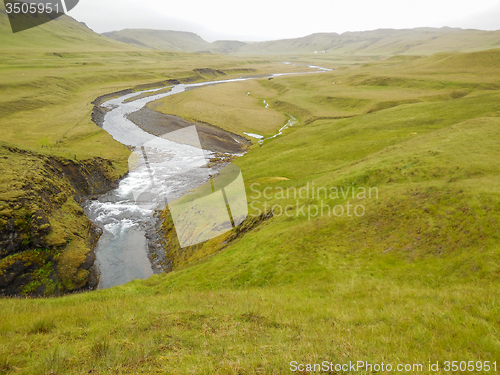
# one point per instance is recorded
(160, 39)
(63, 33)
(173, 41)
(384, 42)
(419, 41)
(410, 277)
(226, 46)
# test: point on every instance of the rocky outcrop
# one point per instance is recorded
(46, 241)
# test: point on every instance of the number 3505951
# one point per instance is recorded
(470, 366)
(27, 8)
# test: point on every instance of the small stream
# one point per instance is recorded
(161, 169)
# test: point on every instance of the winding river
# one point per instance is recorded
(160, 168)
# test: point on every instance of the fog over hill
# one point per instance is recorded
(160, 39)
(67, 33)
(419, 41)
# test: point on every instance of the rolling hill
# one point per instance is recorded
(63, 33)
(226, 46)
(420, 41)
(412, 278)
(160, 39)
(410, 274)
(179, 41)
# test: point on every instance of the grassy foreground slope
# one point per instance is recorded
(415, 279)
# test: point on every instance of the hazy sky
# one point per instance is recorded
(277, 19)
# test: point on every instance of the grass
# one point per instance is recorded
(52, 154)
(415, 279)
(227, 106)
(41, 102)
(361, 315)
(381, 42)
(346, 91)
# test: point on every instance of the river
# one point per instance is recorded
(173, 168)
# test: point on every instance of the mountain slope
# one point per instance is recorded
(63, 33)
(226, 46)
(420, 41)
(160, 39)
(384, 41)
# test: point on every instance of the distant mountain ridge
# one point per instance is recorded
(419, 41)
(179, 41)
(65, 33)
(160, 39)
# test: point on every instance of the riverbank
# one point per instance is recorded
(131, 246)
(211, 138)
(46, 241)
(163, 168)
(162, 249)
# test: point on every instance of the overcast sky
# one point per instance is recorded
(254, 20)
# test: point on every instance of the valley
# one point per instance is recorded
(373, 220)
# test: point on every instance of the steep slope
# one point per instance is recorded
(63, 33)
(160, 39)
